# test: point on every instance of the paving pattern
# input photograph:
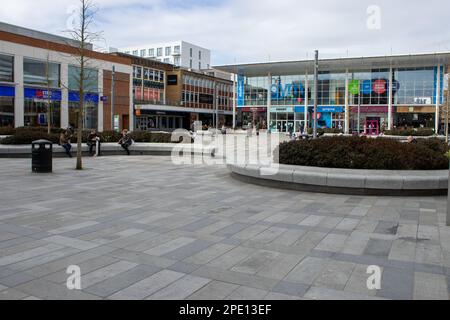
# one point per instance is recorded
(143, 228)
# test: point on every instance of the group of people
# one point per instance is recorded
(93, 141)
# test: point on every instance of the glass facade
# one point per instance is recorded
(36, 73)
(6, 68)
(148, 85)
(6, 112)
(35, 113)
(90, 85)
(198, 92)
(411, 87)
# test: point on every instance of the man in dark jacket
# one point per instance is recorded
(93, 141)
(126, 141)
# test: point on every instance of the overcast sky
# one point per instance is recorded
(244, 31)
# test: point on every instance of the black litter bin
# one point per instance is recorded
(42, 156)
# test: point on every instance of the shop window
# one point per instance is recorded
(41, 73)
(6, 68)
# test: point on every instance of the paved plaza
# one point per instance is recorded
(143, 228)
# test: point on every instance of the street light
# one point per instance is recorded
(316, 95)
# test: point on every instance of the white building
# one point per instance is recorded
(178, 53)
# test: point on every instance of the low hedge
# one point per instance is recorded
(365, 153)
(28, 135)
(326, 130)
(7, 131)
(422, 132)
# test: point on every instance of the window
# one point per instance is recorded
(168, 51)
(135, 52)
(199, 55)
(161, 76)
(35, 73)
(127, 52)
(151, 52)
(200, 66)
(177, 61)
(137, 72)
(146, 74)
(6, 68)
(190, 64)
(167, 60)
(190, 51)
(6, 112)
(159, 52)
(143, 52)
(177, 49)
(90, 82)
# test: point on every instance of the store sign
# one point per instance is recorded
(287, 91)
(370, 109)
(206, 98)
(172, 80)
(379, 86)
(423, 100)
(353, 87)
(7, 91)
(40, 94)
(240, 91)
(282, 109)
(116, 123)
(88, 97)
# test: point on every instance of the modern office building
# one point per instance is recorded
(189, 96)
(167, 97)
(386, 92)
(40, 71)
(179, 53)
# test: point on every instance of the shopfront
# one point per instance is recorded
(7, 94)
(38, 104)
(415, 117)
(147, 120)
(90, 111)
(252, 116)
(372, 119)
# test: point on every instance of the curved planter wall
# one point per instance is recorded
(346, 181)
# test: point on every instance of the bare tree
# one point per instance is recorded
(82, 33)
(48, 94)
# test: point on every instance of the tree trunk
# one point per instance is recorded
(80, 132)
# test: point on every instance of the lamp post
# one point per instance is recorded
(113, 74)
(316, 95)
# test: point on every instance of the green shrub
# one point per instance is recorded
(420, 132)
(27, 137)
(326, 130)
(7, 131)
(365, 153)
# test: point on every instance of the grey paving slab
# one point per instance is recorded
(121, 281)
(180, 289)
(148, 286)
(291, 288)
(397, 284)
(377, 247)
(244, 241)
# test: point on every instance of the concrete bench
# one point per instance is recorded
(346, 181)
(113, 149)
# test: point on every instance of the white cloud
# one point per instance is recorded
(251, 30)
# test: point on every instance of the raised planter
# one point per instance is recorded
(113, 149)
(346, 181)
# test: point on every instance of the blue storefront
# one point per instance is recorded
(7, 94)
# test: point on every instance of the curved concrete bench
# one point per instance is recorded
(346, 181)
(112, 149)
